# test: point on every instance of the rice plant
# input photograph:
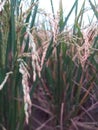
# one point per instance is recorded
(16, 22)
(66, 73)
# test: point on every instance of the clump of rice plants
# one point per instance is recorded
(48, 69)
(16, 24)
(69, 74)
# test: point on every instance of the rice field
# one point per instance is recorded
(48, 68)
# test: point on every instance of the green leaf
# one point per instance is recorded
(94, 9)
(66, 19)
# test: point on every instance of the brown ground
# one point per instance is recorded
(42, 117)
